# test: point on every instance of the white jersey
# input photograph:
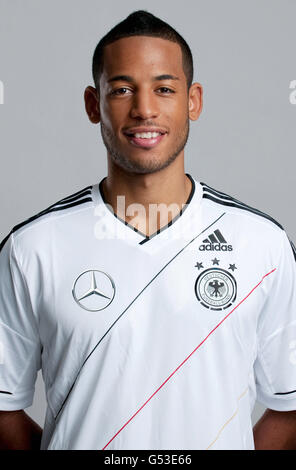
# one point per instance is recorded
(160, 342)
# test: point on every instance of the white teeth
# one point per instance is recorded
(147, 135)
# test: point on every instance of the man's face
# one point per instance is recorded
(143, 89)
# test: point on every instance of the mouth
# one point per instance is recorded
(145, 139)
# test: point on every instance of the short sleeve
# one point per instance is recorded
(275, 366)
(20, 348)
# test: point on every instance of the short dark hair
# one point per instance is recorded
(142, 23)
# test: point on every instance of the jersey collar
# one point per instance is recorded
(193, 196)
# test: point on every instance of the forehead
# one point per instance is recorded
(142, 55)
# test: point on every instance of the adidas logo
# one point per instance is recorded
(215, 242)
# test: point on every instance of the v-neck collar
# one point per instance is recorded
(145, 237)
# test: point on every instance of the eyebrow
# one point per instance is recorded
(128, 78)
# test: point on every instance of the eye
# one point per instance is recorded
(119, 91)
(166, 90)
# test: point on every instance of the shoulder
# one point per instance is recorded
(239, 211)
(37, 224)
(251, 224)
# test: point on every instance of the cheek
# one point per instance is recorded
(176, 112)
(177, 121)
(108, 119)
(112, 116)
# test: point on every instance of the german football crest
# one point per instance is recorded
(216, 288)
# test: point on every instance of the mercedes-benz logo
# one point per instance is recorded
(93, 290)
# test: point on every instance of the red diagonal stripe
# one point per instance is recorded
(197, 347)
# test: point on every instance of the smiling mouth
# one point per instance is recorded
(145, 139)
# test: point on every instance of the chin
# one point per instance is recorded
(140, 167)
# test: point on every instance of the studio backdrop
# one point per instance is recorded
(243, 143)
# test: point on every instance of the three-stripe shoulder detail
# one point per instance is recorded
(293, 248)
(75, 199)
(226, 200)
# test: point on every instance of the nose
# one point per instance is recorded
(144, 105)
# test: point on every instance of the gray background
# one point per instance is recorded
(244, 54)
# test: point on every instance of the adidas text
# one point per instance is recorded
(215, 247)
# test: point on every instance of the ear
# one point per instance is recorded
(195, 101)
(92, 104)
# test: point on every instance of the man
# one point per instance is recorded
(157, 307)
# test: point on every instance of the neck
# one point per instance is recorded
(147, 201)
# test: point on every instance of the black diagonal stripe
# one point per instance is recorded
(243, 207)
(8, 393)
(206, 241)
(220, 236)
(73, 198)
(213, 238)
(240, 204)
(65, 200)
(285, 393)
(72, 204)
(150, 282)
(293, 249)
(216, 193)
(4, 240)
(219, 195)
(76, 194)
(52, 208)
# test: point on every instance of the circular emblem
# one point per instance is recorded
(215, 288)
(93, 290)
